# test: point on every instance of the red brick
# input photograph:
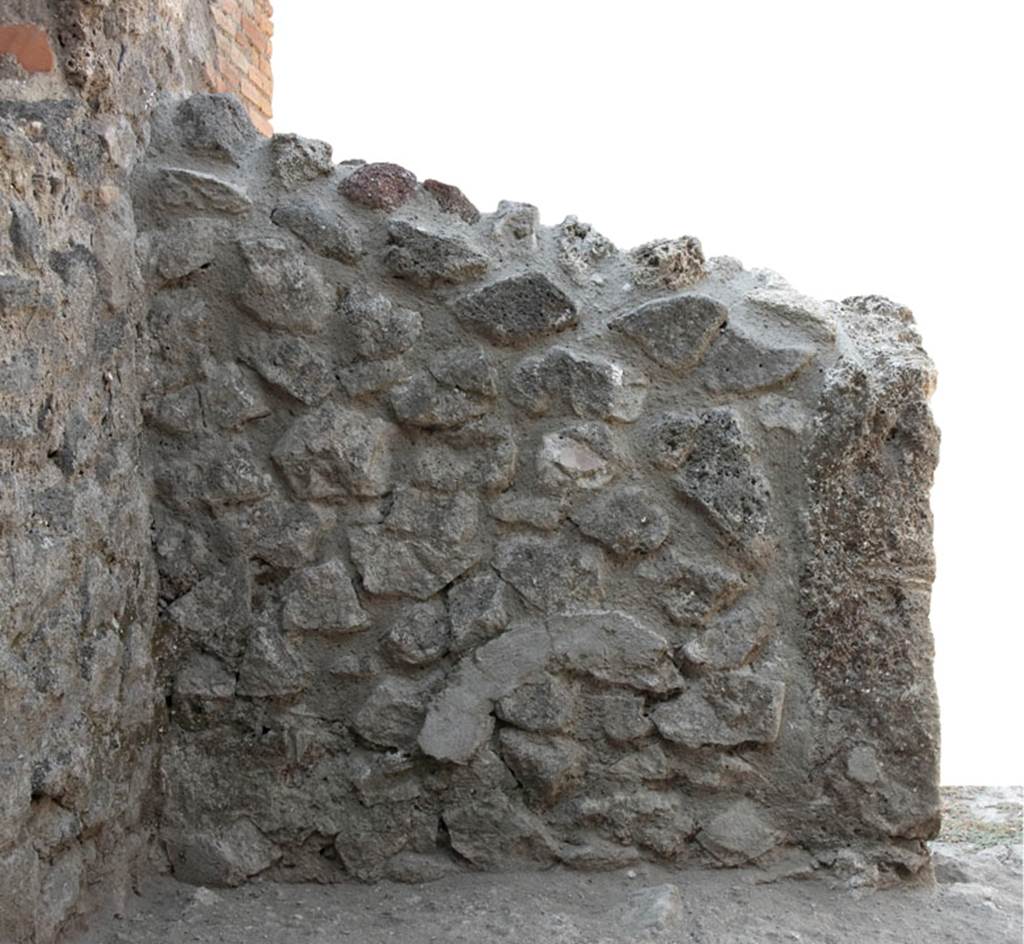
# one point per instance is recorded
(29, 44)
(261, 82)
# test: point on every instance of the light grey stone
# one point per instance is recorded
(175, 188)
(544, 706)
(230, 399)
(551, 575)
(477, 610)
(578, 457)
(298, 160)
(675, 332)
(418, 635)
(625, 520)
(281, 290)
(738, 834)
(269, 669)
(427, 257)
(740, 361)
(668, 263)
(322, 599)
(392, 715)
(291, 364)
(333, 454)
(327, 233)
(546, 766)
(380, 329)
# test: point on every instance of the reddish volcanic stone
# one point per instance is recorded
(379, 186)
(452, 200)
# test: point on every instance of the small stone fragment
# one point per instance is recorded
(732, 639)
(380, 186)
(814, 318)
(544, 707)
(230, 399)
(427, 258)
(275, 532)
(179, 412)
(205, 677)
(281, 290)
(269, 669)
(235, 477)
(299, 160)
(425, 542)
(723, 710)
(175, 188)
(322, 599)
(551, 575)
(739, 361)
(187, 247)
(543, 514)
(457, 387)
(626, 521)
(591, 387)
(516, 224)
(621, 717)
(418, 635)
(481, 454)
(518, 310)
(221, 856)
(325, 232)
(655, 910)
(452, 200)
(739, 834)
(581, 456)
(392, 715)
(291, 364)
(675, 332)
(691, 591)
(580, 248)
(380, 329)
(721, 479)
(217, 126)
(495, 831)
(476, 610)
(366, 378)
(333, 454)
(547, 767)
(668, 263)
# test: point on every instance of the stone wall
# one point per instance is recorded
(485, 544)
(79, 706)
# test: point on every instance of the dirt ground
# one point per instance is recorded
(976, 898)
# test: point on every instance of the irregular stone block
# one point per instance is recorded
(495, 830)
(275, 532)
(418, 635)
(269, 669)
(551, 575)
(626, 521)
(379, 328)
(583, 456)
(322, 599)
(732, 639)
(477, 610)
(720, 478)
(546, 706)
(675, 332)
(379, 186)
(298, 160)
(224, 856)
(425, 542)
(452, 200)
(333, 454)
(281, 290)
(292, 365)
(175, 188)
(392, 715)
(205, 677)
(723, 710)
(740, 361)
(518, 310)
(216, 126)
(739, 834)
(668, 263)
(690, 591)
(547, 767)
(230, 399)
(481, 454)
(235, 478)
(543, 514)
(458, 387)
(621, 717)
(427, 258)
(516, 224)
(327, 233)
(591, 387)
(580, 249)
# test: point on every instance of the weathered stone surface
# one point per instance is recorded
(458, 386)
(518, 310)
(427, 257)
(589, 386)
(176, 188)
(719, 477)
(298, 160)
(675, 332)
(379, 186)
(477, 610)
(292, 365)
(379, 328)
(739, 834)
(625, 520)
(285, 512)
(452, 200)
(425, 542)
(723, 710)
(551, 575)
(216, 126)
(547, 767)
(333, 454)
(322, 599)
(739, 361)
(579, 457)
(418, 635)
(325, 232)
(281, 290)
(668, 263)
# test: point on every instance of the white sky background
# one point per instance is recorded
(854, 147)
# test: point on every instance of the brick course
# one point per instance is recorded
(243, 30)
